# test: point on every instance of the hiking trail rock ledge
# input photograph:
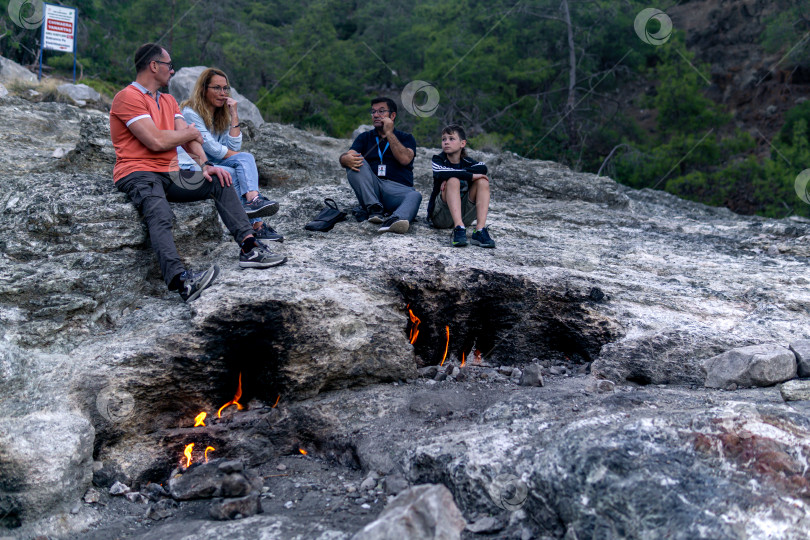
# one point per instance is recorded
(635, 287)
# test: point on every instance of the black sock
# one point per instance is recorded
(248, 244)
(176, 284)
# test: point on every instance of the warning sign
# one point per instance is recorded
(59, 30)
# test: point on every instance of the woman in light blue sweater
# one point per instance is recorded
(212, 111)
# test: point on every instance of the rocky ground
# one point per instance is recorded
(616, 298)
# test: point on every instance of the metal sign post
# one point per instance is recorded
(59, 32)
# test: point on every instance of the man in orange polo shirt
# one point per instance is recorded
(146, 127)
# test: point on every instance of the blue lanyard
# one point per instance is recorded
(384, 149)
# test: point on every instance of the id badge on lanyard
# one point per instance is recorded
(381, 168)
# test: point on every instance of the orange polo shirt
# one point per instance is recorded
(132, 105)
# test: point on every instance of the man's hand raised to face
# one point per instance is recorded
(387, 125)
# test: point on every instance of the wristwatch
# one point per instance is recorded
(208, 163)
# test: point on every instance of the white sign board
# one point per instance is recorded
(59, 28)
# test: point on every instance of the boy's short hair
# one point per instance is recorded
(145, 54)
(392, 106)
(455, 128)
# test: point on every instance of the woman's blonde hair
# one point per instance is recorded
(220, 119)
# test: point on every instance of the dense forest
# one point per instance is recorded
(560, 80)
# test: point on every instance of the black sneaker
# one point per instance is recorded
(266, 232)
(395, 224)
(481, 238)
(260, 206)
(260, 257)
(193, 283)
(375, 214)
(459, 237)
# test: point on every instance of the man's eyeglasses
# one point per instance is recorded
(220, 89)
(169, 64)
(378, 112)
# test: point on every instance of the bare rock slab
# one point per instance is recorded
(801, 348)
(45, 464)
(757, 365)
(422, 512)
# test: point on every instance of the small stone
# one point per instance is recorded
(361, 500)
(600, 386)
(505, 370)
(106, 474)
(440, 376)
(265, 489)
(281, 467)
(238, 508)
(288, 505)
(604, 386)
(368, 483)
(231, 466)
(75, 509)
(428, 372)
(394, 484)
(351, 489)
(516, 373)
(531, 376)
(119, 489)
(455, 371)
(135, 497)
(795, 390)
(155, 492)
(365, 506)
(161, 509)
(235, 485)
(92, 496)
(557, 370)
(486, 525)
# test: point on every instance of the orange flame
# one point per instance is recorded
(235, 400)
(463, 359)
(187, 453)
(447, 345)
(414, 326)
(276, 403)
(477, 358)
(207, 448)
(304, 452)
(200, 419)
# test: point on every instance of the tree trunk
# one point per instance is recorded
(572, 76)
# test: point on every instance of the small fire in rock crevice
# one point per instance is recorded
(510, 319)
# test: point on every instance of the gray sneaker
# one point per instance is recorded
(395, 225)
(193, 283)
(260, 257)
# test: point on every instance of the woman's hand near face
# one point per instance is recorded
(232, 104)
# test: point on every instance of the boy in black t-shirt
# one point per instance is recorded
(460, 191)
(380, 170)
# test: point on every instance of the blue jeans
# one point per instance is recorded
(400, 200)
(244, 174)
